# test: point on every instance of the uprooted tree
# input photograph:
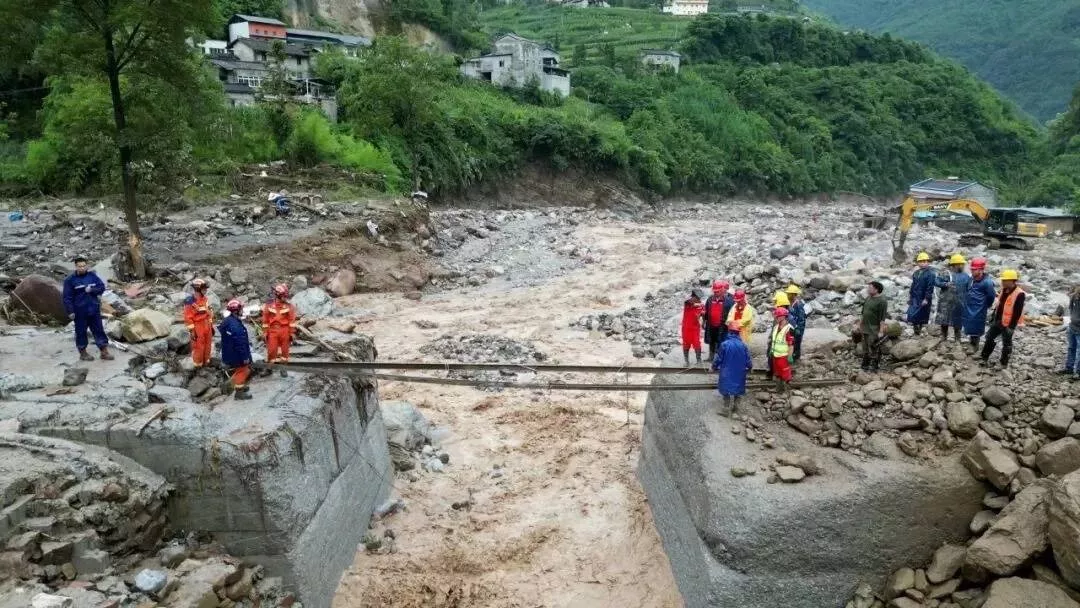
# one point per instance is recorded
(129, 45)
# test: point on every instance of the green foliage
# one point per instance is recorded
(1025, 48)
(313, 141)
(455, 20)
(224, 9)
(1059, 184)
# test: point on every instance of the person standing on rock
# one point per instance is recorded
(199, 320)
(797, 316)
(1008, 315)
(1072, 357)
(921, 298)
(279, 325)
(949, 306)
(977, 301)
(714, 315)
(236, 349)
(781, 342)
(743, 316)
(691, 327)
(780, 300)
(82, 301)
(733, 362)
(875, 311)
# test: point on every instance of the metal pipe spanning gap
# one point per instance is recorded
(539, 368)
(545, 385)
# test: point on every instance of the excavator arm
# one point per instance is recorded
(910, 207)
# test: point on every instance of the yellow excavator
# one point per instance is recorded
(1002, 226)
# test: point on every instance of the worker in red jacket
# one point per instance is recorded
(691, 326)
(279, 325)
(199, 320)
(715, 316)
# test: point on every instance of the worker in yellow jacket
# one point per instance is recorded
(743, 315)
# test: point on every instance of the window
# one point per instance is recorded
(261, 57)
(299, 62)
(500, 64)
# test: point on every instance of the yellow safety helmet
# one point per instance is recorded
(1009, 274)
(782, 299)
(956, 258)
(922, 257)
(793, 290)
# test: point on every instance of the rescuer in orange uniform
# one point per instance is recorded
(199, 319)
(279, 324)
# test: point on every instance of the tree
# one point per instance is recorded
(116, 41)
(607, 54)
(581, 55)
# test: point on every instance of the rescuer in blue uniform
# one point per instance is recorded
(922, 294)
(236, 349)
(977, 302)
(82, 301)
(734, 363)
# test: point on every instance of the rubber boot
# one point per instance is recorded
(874, 364)
(686, 357)
(734, 403)
(944, 332)
(105, 354)
(956, 334)
(917, 329)
(242, 394)
(85, 356)
(866, 363)
(698, 353)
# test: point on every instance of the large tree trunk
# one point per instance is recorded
(131, 209)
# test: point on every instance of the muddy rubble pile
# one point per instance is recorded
(84, 527)
(483, 348)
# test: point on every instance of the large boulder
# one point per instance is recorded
(145, 324)
(1026, 593)
(756, 545)
(342, 283)
(313, 303)
(1019, 534)
(988, 460)
(1064, 528)
(1056, 419)
(1059, 457)
(41, 296)
(406, 426)
(963, 419)
(906, 350)
(946, 563)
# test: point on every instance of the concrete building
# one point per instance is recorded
(211, 48)
(515, 62)
(1055, 219)
(659, 58)
(298, 58)
(251, 26)
(320, 41)
(243, 78)
(685, 8)
(953, 188)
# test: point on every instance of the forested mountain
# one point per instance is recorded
(1027, 49)
(769, 105)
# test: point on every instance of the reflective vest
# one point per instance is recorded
(1009, 309)
(779, 343)
(279, 314)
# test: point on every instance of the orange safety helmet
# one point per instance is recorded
(234, 306)
(740, 295)
(281, 290)
(780, 312)
(978, 264)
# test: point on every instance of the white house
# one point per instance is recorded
(686, 7)
(515, 62)
(661, 58)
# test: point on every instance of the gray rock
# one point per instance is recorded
(992, 414)
(946, 563)
(1056, 420)
(313, 303)
(198, 386)
(145, 324)
(900, 581)
(155, 370)
(789, 474)
(906, 350)
(48, 600)
(1026, 593)
(91, 561)
(1064, 528)
(739, 542)
(74, 376)
(963, 419)
(877, 396)
(170, 556)
(42, 296)
(995, 395)
(987, 460)
(151, 581)
(661, 243)
(1019, 534)
(405, 425)
(982, 521)
(1059, 457)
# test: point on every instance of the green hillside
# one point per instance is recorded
(1027, 49)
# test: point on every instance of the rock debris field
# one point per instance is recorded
(525, 498)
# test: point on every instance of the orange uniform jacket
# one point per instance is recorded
(197, 312)
(277, 316)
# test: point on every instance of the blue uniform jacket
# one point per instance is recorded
(734, 363)
(980, 297)
(82, 293)
(922, 288)
(797, 317)
(235, 348)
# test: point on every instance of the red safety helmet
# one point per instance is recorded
(234, 306)
(978, 264)
(719, 285)
(281, 290)
(780, 312)
(740, 296)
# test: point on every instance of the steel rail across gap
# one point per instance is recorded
(539, 368)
